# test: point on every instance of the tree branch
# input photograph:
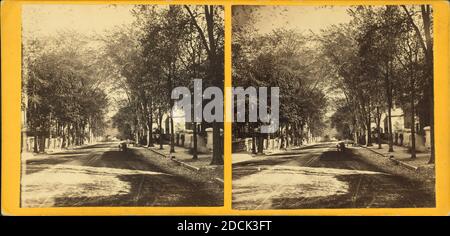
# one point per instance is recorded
(199, 29)
(419, 35)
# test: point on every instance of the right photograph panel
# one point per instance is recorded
(338, 107)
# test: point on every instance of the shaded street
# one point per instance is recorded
(101, 175)
(320, 177)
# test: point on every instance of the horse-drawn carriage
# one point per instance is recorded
(341, 146)
(123, 146)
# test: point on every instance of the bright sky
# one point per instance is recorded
(301, 18)
(87, 19)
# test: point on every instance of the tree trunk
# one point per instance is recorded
(378, 127)
(217, 158)
(172, 134)
(35, 146)
(426, 16)
(301, 135)
(369, 130)
(413, 122)
(42, 143)
(260, 143)
(253, 144)
(63, 135)
(413, 130)
(214, 70)
(427, 47)
(150, 128)
(391, 143)
(379, 136)
(194, 149)
(136, 136)
(136, 126)
(69, 138)
(160, 129)
(288, 138)
(75, 135)
(69, 135)
(83, 134)
(49, 128)
(253, 141)
(148, 136)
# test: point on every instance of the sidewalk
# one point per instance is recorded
(402, 154)
(183, 157)
(26, 156)
(398, 162)
(241, 157)
(248, 156)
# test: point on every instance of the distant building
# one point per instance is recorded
(178, 121)
(401, 129)
(400, 122)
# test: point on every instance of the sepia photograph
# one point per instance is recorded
(99, 122)
(351, 102)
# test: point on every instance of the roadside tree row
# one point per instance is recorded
(166, 47)
(381, 59)
(285, 59)
(61, 101)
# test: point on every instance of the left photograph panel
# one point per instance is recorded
(102, 121)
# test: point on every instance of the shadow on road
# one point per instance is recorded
(98, 145)
(337, 156)
(122, 160)
(319, 145)
(297, 188)
(105, 176)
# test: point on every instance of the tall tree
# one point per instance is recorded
(208, 22)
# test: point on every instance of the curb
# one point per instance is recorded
(159, 153)
(56, 151)
(391, 158)
(190, 167)
(185, 164)
(219, 181)
(291, 151)
(379, 153)
(398, 162)
(423, 176)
